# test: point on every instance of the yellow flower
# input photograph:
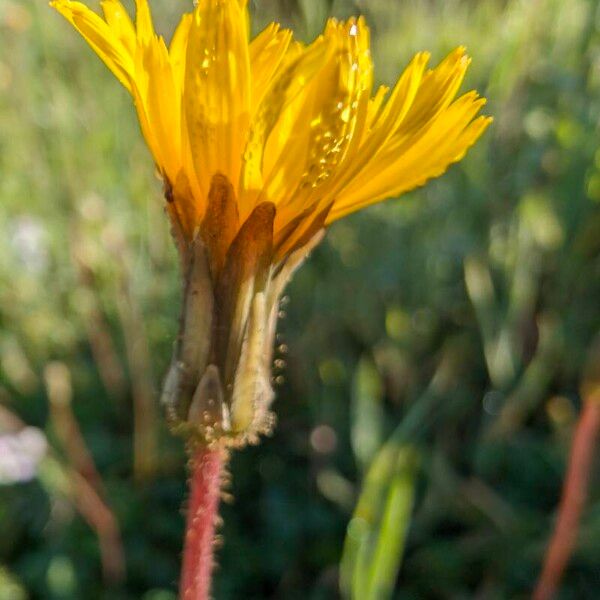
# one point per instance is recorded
(263, 143)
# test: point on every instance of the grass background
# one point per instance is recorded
(436, 343)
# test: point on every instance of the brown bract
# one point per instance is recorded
(218, 387)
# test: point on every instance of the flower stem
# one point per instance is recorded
(572, 502)
(207, 465)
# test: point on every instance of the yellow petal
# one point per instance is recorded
(177, 57)
(217, 89)
(178, 49)
(103, 40)
(415, 136)
(162, 105)
(275, 117)
(143, 22)
(410, 162)
(267, 52)
(118, 20)
(437, 90)
(384, 119)
(326, 127)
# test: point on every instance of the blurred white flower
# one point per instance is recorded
(28, 239)
(20, 455)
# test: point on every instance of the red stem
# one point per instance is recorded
(574, 495)
(206, 476)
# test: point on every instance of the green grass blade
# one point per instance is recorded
(367, 412)
(377, 531)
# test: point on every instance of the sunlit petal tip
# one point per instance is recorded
(358, 28)
(473, 96)
(457, 59)
(480, 124)
(482, 101)
(67, 7)
(476, 101)
(143, 22)
(419, 60)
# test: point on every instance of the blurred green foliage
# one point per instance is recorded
(435, 342)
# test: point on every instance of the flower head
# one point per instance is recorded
(261, 144)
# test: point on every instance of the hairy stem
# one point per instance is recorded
(572, 502)
(207, 466)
